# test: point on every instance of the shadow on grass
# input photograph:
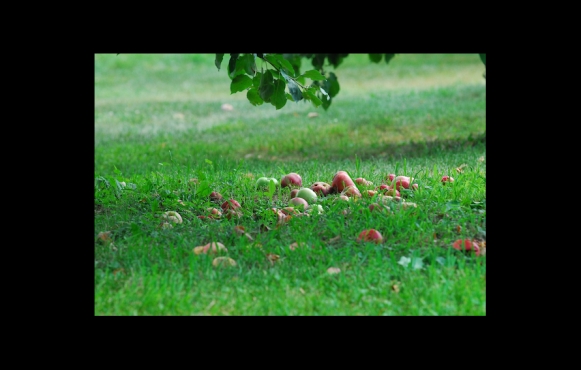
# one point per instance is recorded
(389, 151)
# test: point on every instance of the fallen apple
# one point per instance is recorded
(216, 197)
(172, 216)
(351, 191)
(293, 193)
(341, 180)
(212, 248)
(398, 184)
(299, 203)
(466, 245)
(307, 194)
(223, 261)
(390, 177)
(321, 188)
(446, 179)
(362, 181)
(264, 182)
(392, 192)
(230, 204)
(370, 235)
(291, 180)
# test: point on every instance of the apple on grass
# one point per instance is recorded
(299, 203)
(307, 194)
(264, 182)
(321, 188)
(370, 235)
(291, 180)
(446, 179)
(341, 180)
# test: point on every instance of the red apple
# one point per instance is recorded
(321, 188)
(392, 192)
(362, 181)
(299, 202)
(294, 193)
(401, 183)
(382, 187)
(390, 177)
(230, 204)
(351, 191)
(466, 245)
(415, 186)
(291, 180)
(370, 235)
(216, 197)
(447, 179)
(341, 180)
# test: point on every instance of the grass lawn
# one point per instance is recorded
(164, 143)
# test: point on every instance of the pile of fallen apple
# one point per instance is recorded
(303, 203)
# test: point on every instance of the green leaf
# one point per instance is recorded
(232, 64)
(247, 64)
(375, 58)
(294, 90)
(314, 75)
(331, 85)
(218, 60)
(285, 64)
(327, 103)
(313, 98)
(273, 60)
(253, 97)
(388, 57)
(266, 88)
(240, 83)
(256, 80)
(278, 98)
(483, 58)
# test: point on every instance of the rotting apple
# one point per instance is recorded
(363, 181)
(172, 216)
(341, 180)
(446, 179)
(321, 188)
(223, 262)
(370, 235)
(216, 197)
(466, 245)
(307, 194)
(291, 180)
(213, 248)
(370, 193)
(230, 204)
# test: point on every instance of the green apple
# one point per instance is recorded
(308, 195)
(264, 181)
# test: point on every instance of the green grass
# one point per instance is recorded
(158, 124)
